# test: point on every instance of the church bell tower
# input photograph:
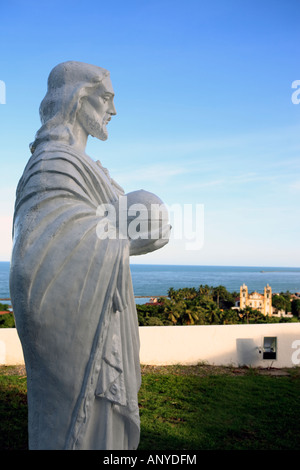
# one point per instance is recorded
(268, 300)
(243, 296)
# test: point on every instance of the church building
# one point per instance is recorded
(255, 300)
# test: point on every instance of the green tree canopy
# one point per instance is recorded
(206, 306)
(295, 307)
(281, 302)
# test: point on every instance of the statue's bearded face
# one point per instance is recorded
(96, 110)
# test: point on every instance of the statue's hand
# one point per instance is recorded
(155, 241)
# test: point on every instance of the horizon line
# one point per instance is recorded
(206, 265)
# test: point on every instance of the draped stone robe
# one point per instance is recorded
(74, 307)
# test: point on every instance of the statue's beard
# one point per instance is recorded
(102, 128)
(97, 128)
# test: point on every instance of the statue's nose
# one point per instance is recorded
(112, 109)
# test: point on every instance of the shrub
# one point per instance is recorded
(7, 320)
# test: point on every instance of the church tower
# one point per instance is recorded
(268, 300)
(243, 296)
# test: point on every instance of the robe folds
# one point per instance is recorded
(74, 307)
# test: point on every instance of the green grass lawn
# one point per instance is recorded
(237, 410)
(190, 408)
(13, 410)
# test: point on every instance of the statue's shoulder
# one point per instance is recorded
(55, 154)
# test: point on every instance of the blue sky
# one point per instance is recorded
(205, 116)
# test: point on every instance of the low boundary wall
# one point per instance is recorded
(220, 344)
(234, 345)
(10, 347)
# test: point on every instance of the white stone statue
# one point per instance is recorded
(70, 280)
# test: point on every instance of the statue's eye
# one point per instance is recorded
(106, 98)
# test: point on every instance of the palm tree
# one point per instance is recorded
(204, 290)
(190, 316)
(213, 316)
(171, 293)
(171, 310)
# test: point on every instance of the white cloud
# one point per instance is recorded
(161, 172)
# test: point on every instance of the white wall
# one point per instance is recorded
(217, 345)
(10, 347)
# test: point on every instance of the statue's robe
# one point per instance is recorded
(74, 307)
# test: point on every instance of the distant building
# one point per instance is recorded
(153, 301)
(255, 300)
(295, 296)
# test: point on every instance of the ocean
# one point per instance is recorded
(155, 280)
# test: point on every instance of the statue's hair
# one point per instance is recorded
(68, 82)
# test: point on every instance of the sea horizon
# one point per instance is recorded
(154, 280)
(204, 265)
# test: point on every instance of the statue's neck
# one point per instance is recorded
(80, 137)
